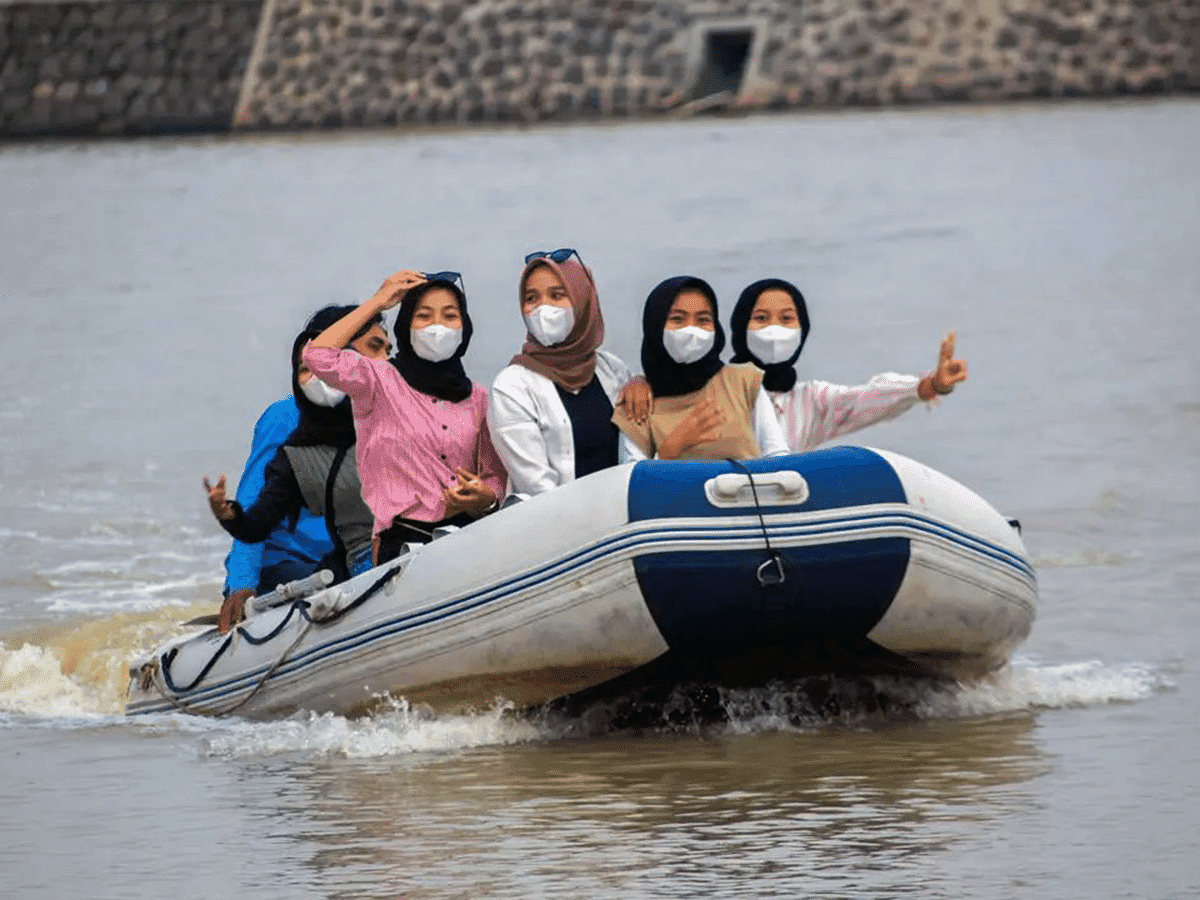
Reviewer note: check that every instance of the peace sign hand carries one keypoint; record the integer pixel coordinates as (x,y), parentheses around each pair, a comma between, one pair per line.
(950,371)
(220,506)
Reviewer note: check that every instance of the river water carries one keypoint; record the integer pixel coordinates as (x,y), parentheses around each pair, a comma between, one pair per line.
(150,292)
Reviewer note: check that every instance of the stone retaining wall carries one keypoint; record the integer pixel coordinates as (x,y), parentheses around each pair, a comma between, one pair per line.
(118,68)
(130,66)
(367,62)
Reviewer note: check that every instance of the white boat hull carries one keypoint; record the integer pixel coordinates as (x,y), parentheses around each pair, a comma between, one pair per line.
(649,568)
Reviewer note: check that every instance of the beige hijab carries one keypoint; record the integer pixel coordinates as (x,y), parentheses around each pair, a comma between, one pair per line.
(572,363)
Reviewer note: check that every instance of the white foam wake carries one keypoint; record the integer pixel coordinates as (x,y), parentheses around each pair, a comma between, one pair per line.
(61,684)
(398,730)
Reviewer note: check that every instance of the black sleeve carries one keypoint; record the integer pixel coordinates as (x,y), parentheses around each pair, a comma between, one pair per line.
(279,499)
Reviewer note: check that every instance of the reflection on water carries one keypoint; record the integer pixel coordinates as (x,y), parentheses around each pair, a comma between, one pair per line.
(669,815)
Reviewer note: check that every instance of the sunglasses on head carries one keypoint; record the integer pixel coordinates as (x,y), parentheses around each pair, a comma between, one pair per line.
(560,255)
(447,276)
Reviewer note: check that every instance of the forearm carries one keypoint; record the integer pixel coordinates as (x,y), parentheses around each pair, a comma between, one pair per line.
(279,499)
(341,332)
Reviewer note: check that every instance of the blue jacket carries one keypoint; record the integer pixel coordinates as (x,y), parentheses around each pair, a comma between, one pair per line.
(308,543)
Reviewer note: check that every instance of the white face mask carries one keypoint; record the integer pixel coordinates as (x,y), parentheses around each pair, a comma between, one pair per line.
(435,342)
(322,394)
(550,325)
(686,345)
(773,344)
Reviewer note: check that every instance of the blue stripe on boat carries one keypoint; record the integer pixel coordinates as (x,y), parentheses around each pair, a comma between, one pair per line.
(837,477)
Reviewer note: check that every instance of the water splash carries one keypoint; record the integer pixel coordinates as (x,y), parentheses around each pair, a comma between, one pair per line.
(60,676)
(32,681)
(396,729)
(81,670)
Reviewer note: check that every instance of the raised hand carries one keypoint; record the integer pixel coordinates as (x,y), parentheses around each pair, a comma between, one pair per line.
(217,502)
(395,286)
(950,371)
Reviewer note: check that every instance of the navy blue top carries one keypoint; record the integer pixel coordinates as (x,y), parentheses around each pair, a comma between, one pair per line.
(592,428)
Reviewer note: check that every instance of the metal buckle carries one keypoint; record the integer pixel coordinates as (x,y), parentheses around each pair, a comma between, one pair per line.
(770,573)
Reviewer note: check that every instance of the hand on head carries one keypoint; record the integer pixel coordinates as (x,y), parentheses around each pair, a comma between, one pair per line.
(393,289)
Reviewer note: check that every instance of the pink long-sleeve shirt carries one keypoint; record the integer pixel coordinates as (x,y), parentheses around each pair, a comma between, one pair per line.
(813,412)
(409,443)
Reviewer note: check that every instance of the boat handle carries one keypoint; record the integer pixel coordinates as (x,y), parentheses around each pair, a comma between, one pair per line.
(781,488)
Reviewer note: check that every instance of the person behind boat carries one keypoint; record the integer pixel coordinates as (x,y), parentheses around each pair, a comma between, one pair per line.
(424,452)
(314,469)
(703,409)
(768,328)
(550,411)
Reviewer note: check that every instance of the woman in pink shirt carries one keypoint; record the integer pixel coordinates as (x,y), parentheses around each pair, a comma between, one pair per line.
(769,326)
(424,453)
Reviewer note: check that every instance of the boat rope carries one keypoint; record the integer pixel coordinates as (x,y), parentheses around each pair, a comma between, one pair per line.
(770,573)
(161,679)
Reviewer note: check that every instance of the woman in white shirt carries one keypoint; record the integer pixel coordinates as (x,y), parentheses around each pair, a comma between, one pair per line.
(768,328)
(550,410)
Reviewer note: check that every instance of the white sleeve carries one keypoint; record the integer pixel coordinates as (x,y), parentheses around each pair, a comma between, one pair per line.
(767,430)
(629,451)
(517,437)
(613,374)
(823,411)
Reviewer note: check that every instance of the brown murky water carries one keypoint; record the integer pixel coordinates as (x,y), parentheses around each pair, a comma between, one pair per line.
(149,295)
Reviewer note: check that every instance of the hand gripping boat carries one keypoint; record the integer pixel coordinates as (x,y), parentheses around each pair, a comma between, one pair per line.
(840,559)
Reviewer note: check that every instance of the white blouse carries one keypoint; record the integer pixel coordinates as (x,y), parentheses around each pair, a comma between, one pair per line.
(530,427)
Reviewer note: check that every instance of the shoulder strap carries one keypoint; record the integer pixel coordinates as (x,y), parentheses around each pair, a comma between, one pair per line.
(339,549)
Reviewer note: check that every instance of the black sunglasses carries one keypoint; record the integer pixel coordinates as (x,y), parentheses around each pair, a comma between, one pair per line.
(447,276)
(560,255)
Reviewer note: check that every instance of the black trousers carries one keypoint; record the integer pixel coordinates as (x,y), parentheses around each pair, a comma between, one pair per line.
(411,531)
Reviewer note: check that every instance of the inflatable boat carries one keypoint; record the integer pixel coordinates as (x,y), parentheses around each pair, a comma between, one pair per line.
(845,559)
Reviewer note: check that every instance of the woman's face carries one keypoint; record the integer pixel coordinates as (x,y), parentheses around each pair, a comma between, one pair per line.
(691,309)
(373,345)
(774,306)
(437,306)
(543,287)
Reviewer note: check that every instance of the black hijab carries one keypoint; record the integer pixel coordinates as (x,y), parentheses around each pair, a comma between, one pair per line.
(776,376)
(322,425)
(446,380)
(668,378)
